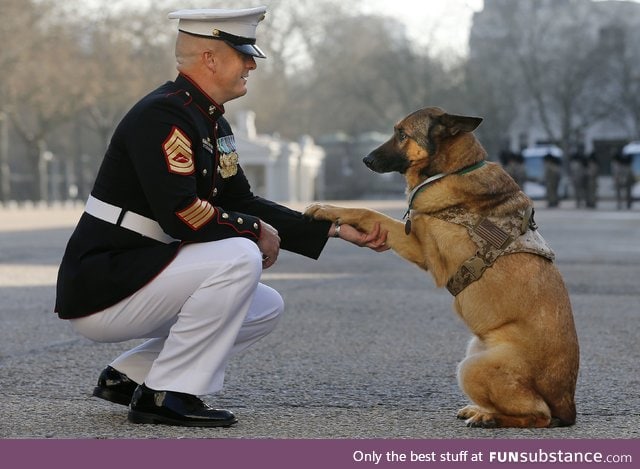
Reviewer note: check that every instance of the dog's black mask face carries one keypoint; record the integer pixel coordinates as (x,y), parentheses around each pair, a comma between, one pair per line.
(415,141)
(399,152)
(387,159)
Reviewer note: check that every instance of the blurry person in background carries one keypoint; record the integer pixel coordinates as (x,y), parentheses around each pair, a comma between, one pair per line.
(552,174)
(623,179)
(577,166)
(592,170)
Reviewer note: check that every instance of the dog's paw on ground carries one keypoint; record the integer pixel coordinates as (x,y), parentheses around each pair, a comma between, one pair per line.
(474,416)
(468,411)
(481,421)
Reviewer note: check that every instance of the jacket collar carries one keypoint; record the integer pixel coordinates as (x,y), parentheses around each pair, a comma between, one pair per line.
(208,106)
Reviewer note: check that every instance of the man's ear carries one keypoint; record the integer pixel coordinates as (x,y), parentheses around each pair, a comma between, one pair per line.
(209,60)
(455,124)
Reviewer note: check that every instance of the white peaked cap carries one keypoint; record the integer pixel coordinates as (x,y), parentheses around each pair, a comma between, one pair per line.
(236,27)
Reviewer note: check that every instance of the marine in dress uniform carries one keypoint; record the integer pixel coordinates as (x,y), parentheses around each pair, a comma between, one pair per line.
(168,246)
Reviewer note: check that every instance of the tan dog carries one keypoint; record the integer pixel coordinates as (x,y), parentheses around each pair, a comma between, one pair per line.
(472,228)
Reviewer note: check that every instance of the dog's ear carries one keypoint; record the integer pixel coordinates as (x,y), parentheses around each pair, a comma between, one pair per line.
(455,124)
(448,125)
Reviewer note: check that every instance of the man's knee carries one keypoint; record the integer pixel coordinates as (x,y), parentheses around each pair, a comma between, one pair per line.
(249,255)
(244,262)
(262,318)
(272,298)
(267,305)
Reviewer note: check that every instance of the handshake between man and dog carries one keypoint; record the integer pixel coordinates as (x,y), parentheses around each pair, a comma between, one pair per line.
(471,226)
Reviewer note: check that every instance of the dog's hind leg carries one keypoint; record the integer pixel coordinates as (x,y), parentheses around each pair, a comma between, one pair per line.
(497,383)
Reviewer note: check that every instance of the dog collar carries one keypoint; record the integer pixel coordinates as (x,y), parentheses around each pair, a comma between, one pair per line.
(430,180)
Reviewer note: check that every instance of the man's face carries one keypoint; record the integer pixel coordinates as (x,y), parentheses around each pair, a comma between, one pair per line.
(231,72)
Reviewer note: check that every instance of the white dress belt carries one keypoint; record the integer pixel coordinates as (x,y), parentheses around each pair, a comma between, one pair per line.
(131,221)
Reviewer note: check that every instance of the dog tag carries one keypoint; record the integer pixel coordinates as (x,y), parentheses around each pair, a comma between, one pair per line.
(407,227)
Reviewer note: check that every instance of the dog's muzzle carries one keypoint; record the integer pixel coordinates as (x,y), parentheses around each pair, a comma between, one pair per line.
(368,161)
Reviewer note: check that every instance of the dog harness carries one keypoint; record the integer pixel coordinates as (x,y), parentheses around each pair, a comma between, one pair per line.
(494,236)
(416,190)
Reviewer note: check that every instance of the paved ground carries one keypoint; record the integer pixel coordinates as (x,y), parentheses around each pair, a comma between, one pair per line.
(367,349)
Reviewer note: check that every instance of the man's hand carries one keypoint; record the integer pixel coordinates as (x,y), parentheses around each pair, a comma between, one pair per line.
(269,244)
(376,240)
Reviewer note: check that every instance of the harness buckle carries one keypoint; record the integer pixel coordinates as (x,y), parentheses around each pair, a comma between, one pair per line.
(527,220)
(475,266)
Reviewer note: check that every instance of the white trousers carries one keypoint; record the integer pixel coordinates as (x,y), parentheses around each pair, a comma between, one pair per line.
(203,308)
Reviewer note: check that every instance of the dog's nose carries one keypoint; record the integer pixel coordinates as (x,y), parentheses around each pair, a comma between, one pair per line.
(368,160)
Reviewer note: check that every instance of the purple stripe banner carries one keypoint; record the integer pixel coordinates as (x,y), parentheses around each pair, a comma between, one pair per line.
(317,454)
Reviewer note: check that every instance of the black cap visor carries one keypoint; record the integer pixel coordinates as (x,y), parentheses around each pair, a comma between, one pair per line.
(243,44)
(249,49)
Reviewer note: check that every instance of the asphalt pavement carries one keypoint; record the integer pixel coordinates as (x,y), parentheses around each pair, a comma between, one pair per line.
(367,348)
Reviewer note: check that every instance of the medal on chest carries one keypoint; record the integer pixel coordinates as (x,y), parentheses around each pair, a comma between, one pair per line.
(228,157)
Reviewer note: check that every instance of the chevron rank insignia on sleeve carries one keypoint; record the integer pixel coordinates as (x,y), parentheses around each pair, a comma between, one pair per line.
(178,152)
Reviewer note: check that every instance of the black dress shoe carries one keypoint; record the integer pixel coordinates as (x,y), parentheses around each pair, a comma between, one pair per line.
(175,408)
(115,386)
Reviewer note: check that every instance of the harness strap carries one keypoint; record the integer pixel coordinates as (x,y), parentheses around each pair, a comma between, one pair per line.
(472,269)
(492,242)
(491,239)
(427,182)
(436,177)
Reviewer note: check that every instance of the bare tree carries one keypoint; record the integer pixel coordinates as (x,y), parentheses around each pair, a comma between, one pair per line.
(492,84)
(620,65)
(547,58)
(126,53)
(279,89)
(629,80)
(359,73)
(17,34)
(39,92)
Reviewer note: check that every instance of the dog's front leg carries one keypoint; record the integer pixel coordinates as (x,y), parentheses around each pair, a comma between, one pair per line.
(363,219)
(360,218)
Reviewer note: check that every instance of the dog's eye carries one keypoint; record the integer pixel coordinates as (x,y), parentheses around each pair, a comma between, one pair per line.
(401,135)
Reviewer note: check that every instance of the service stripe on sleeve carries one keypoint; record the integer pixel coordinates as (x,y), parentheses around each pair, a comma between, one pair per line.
(198,214)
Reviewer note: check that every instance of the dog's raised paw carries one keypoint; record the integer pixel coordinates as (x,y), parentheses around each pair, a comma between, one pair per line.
(311,209)
(320,212)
